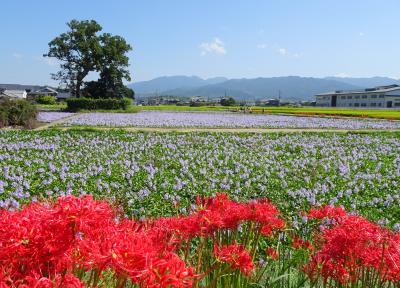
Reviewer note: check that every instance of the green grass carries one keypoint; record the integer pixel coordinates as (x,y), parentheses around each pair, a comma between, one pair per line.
(301,111)
(52,107)
(58,107)
(343,112)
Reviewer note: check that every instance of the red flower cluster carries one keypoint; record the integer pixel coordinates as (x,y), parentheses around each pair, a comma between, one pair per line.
(299,243)
(327,211)
(353,245)
(46,244)
(272,253)
(222,213)
(236,256)
(43,245)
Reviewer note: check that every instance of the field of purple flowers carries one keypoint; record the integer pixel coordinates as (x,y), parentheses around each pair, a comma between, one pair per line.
(151,173)
(213,120)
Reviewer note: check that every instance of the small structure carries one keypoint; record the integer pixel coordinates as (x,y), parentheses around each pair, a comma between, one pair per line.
(62,96)
(16,94)
(45,91)
(268,102)
(377,97)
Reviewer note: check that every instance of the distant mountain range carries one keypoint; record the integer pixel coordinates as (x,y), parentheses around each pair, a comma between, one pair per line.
(292,88)
(289,88)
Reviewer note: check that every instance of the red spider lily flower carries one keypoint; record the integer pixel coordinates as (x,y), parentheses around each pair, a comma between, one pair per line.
(327,211)
(298,243)
(266,214)
(168,271)
(352,245)
(222,213)
(272,253)
(236,256)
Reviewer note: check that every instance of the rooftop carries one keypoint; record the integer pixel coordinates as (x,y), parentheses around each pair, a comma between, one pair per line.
(378,89)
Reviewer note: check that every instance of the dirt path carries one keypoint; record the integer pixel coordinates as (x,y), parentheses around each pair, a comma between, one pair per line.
(54,123)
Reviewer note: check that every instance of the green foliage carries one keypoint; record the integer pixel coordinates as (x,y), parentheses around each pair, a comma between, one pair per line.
(75,104)
(98,89)
(46,100)
(82,50)
(17,113)
(227,101)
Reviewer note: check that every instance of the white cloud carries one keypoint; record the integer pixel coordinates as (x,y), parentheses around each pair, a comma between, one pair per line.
(216,46)
(17,56)
(361,34)
(342,75)
(262,45)
(282,51)
(286,53)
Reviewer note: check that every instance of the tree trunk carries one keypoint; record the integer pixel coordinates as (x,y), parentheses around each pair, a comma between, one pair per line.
(78,88)
(79,81)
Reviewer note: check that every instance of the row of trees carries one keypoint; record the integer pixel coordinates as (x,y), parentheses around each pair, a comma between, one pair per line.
(82,50)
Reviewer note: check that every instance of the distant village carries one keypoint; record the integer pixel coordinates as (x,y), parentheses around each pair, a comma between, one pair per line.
(32,92)
(377,97)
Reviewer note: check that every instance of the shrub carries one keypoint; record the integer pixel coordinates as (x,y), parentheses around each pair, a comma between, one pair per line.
(17,113)
(227,101)
(75,104)
(46,99)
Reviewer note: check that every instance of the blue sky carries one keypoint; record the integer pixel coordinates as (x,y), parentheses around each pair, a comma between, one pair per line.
(208,38)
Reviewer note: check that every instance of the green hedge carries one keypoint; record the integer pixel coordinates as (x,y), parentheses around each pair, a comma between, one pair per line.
(17,112)
(46,99)
(75,104)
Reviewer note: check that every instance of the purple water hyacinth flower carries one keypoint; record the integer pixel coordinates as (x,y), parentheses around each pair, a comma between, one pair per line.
(223,120)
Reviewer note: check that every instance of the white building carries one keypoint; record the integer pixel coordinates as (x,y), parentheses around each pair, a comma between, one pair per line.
(20,94)
(377,97)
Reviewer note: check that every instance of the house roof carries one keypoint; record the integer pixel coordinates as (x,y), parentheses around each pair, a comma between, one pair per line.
(14,93)
(378,89)
(63,95)
(45,89)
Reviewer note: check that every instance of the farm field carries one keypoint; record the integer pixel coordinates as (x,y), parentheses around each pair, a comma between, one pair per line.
(316,111)
(256,208)
(215,120)
(296,171)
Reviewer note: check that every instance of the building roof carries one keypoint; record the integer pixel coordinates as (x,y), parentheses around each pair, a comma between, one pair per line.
(63,95)
(378,89)
(14,93)
(45,90)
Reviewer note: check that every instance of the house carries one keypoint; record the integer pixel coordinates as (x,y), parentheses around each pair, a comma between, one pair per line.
(16,94)
(47,91)
(377,97)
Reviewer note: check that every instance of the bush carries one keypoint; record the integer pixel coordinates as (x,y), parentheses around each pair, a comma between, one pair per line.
(227,101)
(46,99)
(17,113)
(75,104)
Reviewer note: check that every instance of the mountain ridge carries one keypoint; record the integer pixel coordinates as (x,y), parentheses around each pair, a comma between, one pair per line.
(294,88)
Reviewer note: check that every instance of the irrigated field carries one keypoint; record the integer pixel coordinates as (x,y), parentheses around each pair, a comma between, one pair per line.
(213,120)
(149,173)
(166,221)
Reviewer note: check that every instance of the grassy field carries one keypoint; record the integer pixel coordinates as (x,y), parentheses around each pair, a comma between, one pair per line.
(343,112)
(301,111)
(157,177)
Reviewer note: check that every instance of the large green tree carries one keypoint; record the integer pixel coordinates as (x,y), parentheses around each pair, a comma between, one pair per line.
(82,49)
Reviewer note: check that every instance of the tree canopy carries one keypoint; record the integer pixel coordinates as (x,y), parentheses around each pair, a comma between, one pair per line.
(82,49)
